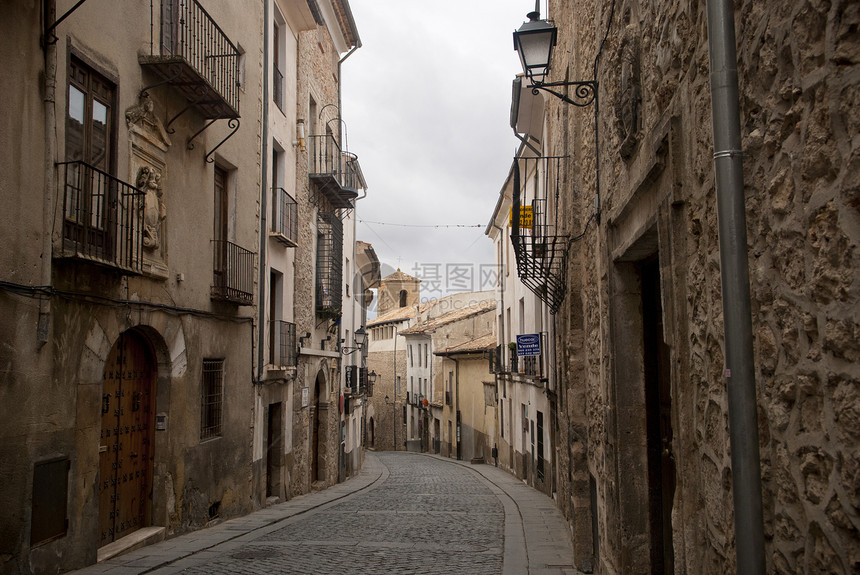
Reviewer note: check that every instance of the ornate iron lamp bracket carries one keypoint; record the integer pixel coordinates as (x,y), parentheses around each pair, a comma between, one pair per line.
(584,93)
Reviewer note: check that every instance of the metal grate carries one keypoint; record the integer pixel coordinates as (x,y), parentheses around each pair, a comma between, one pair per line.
(541,252)
(211,400)
(329,265)
(282,342)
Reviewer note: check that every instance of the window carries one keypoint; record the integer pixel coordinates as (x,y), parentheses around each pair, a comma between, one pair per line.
(419,355)
(211,398)
(403,298)
(502,417)
(278,56)
(426,362)
(411,359)
(90,138)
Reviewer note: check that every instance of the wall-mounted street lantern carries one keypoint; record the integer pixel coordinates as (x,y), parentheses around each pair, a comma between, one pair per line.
(360,339)
(534,42)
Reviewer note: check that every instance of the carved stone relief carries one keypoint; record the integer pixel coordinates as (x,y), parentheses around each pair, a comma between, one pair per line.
(629,96)
(148,145)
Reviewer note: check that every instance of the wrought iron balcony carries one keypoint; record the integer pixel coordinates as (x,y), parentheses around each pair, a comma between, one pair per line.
(335,172)
(102,218)
(196,57)
(284,218)
(540,251)
(233,273)
(282,343)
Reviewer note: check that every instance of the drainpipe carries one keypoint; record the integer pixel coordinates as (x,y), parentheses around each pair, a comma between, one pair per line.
(740,374)
(340,92)
(394,380)
(457,402)
(502,296)
(44,324)
(264,196)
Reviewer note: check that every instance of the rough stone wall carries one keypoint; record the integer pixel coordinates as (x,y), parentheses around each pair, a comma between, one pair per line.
(798,68)
(383,363)
(317,78)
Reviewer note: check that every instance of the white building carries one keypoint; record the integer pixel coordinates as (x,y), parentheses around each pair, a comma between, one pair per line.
(526,384)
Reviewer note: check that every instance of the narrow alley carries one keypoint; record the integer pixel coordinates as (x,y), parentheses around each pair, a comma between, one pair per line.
(405,513)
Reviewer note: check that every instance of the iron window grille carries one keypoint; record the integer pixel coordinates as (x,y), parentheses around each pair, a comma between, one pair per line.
(282,343)
(541,252)
(329,296)
(212,396)
(102,218)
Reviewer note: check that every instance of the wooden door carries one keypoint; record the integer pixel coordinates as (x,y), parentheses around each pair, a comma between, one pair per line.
(126,446)
(658,413)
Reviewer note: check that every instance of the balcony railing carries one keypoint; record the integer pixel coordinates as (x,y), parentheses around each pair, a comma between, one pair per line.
(282,343)
(496,360)
(197,58)
(285,218)
(102,218)
(233,277)
(335,172)
(278,88)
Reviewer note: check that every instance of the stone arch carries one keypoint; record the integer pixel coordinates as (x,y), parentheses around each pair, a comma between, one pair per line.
(318,425)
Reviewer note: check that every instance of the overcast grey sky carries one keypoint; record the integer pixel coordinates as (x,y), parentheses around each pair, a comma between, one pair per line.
(426,102)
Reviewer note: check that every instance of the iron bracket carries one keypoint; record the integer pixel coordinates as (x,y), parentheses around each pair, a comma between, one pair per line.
(232,123)
(584,92)
(175,70)
(56,23)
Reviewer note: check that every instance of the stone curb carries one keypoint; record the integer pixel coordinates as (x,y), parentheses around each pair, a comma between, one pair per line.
(160,555)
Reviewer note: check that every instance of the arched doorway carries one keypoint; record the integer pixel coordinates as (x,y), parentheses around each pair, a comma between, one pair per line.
(317,425)
(126,443)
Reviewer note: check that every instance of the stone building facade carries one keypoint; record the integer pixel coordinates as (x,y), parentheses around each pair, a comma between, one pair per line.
(128,286)
(151,257)
(644,467)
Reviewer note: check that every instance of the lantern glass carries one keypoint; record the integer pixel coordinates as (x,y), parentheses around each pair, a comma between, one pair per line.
(534,42)
(360,337)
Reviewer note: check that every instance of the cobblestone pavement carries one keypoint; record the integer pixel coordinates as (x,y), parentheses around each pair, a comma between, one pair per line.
(428,516)
(404,513)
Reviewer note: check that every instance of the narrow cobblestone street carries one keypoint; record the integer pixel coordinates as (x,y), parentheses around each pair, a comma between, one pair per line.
(405,513)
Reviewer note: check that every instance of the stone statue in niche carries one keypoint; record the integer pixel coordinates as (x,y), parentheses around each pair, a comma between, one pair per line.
(154,211)
(629,95)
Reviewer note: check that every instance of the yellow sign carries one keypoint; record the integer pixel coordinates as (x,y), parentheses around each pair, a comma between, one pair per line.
(526,217)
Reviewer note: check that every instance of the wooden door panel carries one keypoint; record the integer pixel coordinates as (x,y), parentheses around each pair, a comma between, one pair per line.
(127,460)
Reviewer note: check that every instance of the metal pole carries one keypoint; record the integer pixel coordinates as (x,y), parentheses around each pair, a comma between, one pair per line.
(264,197)
(740,374)
(394,383)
